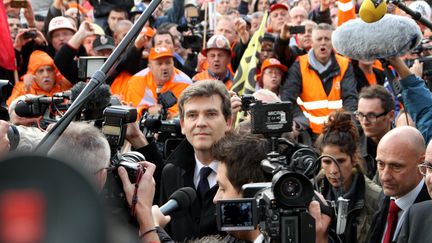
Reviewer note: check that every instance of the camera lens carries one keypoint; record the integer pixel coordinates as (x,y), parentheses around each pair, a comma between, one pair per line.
(291,188)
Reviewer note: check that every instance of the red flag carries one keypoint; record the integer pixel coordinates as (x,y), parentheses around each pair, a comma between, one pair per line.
(7,53)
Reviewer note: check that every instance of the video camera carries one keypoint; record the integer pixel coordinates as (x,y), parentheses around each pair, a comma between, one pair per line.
(194,40)
(167,132)
(279,207)
(49,108)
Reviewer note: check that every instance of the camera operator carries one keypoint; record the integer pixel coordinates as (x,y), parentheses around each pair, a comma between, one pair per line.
(45,79)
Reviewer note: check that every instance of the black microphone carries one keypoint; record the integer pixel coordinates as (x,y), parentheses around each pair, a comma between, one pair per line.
(96,103)
(182,198)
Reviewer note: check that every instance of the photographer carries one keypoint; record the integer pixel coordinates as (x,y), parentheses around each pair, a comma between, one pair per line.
(87,149)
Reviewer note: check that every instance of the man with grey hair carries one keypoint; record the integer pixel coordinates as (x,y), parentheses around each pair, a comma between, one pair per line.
(86,148)
(320,82)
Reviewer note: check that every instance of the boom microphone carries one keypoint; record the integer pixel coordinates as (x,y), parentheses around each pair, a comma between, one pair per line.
(182,198)
(372,10)
(391,36)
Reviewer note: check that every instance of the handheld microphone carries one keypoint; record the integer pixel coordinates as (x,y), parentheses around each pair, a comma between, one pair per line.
(182,198)
(372,10)
(342,215)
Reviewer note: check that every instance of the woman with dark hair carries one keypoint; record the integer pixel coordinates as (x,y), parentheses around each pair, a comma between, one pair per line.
(342,175)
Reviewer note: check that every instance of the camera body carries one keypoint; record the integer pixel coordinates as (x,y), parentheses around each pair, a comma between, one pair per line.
(31,34)
(166,132)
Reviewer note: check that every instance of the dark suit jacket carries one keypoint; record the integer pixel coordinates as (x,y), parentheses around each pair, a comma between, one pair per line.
(379,221)
(198,220)
(416,227)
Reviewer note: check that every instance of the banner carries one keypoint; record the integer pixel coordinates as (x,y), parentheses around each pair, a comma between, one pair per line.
(244,78)
(7,53)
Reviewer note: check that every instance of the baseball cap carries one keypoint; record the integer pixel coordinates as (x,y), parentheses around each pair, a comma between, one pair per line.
(60,22)
(97,29)
(271,62)
(103,42)
(275,6)
(422,7)
(159,52)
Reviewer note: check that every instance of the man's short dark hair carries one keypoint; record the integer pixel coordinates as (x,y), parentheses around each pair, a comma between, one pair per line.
(242,155)
(161,32)
(120,10)
(378,92)
(206,88)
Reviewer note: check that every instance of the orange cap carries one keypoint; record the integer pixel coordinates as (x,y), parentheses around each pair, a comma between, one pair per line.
(271,62)
(147,31)
(159,52)
(275,6)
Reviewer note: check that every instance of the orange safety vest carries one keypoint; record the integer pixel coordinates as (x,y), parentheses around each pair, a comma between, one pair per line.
(313,100)
(205,75)
(120,84)
(142,89)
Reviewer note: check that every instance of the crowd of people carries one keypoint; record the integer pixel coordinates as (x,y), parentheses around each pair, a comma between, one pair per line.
(374,143)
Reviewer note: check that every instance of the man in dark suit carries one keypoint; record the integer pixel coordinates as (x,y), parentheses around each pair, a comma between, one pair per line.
(416,227)
(205,117)
(399,153)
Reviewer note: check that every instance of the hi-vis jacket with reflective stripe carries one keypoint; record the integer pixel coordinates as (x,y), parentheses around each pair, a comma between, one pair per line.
(314,102)
(142,89)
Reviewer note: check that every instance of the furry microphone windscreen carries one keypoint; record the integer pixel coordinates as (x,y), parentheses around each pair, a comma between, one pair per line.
(391,36)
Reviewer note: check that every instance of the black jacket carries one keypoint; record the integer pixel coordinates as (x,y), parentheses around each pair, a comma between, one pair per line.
(380,218)
(198,220)
(361,78)
(416,227)
(293,85)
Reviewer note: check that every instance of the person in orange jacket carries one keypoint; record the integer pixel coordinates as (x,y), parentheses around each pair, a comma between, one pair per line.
(160,76)
(42,78)
(218,53)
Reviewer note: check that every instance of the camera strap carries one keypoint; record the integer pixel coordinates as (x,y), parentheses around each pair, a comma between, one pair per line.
(140,173)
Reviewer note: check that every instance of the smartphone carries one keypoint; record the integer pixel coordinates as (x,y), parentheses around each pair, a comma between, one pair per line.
(299,29)
(18,4)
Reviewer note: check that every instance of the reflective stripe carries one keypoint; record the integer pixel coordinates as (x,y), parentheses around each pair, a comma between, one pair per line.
(335,104)
(315,119)
(143,72)
(320,104)
(344,7)
(148,98)
(182,78)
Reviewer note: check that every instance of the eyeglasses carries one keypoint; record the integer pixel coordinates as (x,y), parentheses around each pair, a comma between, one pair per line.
(370,117)
(425,168)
